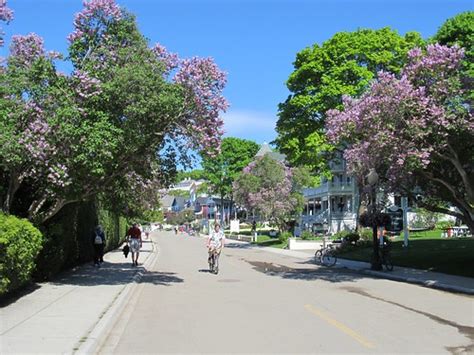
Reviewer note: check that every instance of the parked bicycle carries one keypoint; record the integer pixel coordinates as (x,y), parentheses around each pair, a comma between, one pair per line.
(326,255)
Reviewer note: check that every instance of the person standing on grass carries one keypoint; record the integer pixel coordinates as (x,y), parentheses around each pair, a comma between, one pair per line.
(98,242)
(134,236)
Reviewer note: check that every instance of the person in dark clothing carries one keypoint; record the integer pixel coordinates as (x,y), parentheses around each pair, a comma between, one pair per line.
(98,242)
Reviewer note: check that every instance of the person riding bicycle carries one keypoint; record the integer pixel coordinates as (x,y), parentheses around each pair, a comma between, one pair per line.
(215,243)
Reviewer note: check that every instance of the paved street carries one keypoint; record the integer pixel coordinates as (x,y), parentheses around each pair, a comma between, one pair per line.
(268,303)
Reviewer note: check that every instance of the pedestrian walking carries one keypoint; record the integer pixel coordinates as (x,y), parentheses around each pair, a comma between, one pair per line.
(134,237)
(98,242)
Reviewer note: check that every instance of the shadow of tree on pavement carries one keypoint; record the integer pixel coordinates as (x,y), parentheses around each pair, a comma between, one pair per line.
(308,273)
(160,278)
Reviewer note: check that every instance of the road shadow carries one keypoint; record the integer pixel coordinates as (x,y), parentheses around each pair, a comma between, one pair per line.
(204,270)
(113,274)
(239,246)
(329,274)
(13,296)
(160,278)
(107,274)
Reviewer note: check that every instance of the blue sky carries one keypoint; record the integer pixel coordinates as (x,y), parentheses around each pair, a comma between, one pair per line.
(255,42)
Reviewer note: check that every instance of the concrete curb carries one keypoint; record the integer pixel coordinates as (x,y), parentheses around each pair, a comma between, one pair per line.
(426,283)
(96,336)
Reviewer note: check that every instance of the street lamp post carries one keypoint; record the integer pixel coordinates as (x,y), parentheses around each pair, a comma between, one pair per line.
(373,179)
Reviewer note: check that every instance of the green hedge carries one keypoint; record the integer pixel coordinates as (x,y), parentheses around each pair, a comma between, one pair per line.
(68,237)
(20,243)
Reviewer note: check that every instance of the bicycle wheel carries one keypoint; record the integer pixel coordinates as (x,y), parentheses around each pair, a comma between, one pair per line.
(216,264)
(211,263)
(388,264)
(318,255)
(329,258)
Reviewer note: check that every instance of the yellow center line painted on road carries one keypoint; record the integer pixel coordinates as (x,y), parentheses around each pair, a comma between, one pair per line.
(342,327)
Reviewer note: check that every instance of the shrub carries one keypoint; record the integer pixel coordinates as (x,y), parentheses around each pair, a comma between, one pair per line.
(351,238)
(444,224)
(284,236)
(305,235)
(20,243)
(365,234)
(340,235)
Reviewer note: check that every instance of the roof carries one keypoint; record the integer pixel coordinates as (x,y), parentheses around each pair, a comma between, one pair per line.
(179,201)
(265,149)
(204,201)
(167,201)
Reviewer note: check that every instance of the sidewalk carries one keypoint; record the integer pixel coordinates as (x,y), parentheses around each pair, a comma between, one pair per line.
(426,278)
(65,315)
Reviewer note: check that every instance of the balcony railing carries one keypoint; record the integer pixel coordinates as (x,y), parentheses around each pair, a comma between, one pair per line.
(329,187)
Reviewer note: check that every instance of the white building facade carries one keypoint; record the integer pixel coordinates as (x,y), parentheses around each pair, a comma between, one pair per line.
(332,206)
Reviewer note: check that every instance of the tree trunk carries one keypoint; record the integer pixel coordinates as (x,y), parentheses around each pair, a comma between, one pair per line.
(13,186)
(222,210)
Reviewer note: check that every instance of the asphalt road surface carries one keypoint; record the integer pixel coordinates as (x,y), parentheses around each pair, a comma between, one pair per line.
(263,302)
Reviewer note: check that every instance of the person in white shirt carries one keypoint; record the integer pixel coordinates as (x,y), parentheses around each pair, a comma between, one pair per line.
(215,244)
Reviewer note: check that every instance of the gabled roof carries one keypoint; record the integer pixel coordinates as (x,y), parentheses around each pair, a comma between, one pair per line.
(265,149)
(167,201)
(179,201)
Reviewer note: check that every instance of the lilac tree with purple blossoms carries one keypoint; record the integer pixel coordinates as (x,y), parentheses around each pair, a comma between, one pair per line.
(267,187)
(6,15)
(116,127)
(416,131)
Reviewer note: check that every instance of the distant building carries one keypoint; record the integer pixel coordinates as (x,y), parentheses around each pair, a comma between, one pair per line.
(331,206)
(166,203)
(170,203)
(189,186)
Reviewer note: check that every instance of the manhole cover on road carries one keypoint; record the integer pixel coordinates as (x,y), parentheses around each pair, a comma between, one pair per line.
(228,280)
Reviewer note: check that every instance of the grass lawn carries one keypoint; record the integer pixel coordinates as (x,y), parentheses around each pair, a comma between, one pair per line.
(428,234)
(266,241)
(451,256)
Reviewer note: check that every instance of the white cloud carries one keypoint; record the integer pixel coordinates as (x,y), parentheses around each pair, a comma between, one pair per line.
(254,125)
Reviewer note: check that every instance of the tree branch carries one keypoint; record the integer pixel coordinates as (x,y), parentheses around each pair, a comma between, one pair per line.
(454,159)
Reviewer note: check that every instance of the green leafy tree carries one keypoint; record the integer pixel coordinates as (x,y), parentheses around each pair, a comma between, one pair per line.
(222,170)
(155,215)
(185,216)
(460,30)
(343,65)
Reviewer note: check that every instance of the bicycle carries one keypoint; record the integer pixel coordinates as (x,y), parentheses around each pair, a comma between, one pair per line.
(385,256)
(214,261)
(326,255)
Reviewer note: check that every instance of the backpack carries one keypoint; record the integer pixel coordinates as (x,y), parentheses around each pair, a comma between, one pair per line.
(97,239)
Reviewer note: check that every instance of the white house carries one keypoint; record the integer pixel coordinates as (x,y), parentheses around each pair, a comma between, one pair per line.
(331,206)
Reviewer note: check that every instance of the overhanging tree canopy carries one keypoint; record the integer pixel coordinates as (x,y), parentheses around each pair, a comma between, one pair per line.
(415,130)
(117,126)
(343,65)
